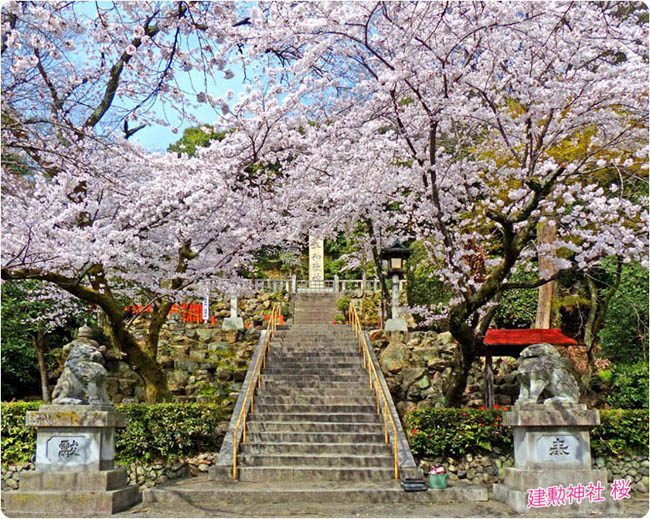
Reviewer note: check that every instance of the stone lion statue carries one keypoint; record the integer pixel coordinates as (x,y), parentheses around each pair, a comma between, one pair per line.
(544,373)
(83,380)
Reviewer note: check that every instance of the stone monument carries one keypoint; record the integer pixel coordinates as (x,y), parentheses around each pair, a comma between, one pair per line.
(316,263)
(551,441)
(234,322)
(75,445)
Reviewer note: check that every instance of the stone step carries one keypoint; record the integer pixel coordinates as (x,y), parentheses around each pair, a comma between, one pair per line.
(313,427)
(283,363)
(263,408)
(293,352)
(313,438)
(332,449)
(306,371)
(199,497)
(314,460)
(315,473)
(316,399)
(313,417)
(322,377)
(314,358)
(324,387)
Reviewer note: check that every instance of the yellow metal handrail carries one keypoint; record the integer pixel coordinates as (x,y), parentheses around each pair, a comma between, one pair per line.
(355,322)
(271,327)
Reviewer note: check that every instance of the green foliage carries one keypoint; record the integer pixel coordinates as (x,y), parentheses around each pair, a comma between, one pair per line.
(343,304)
(624,337)
(518,307)
(423,287)
(453,432)
(195,137)
(20,324)
(17,440)
(620,432)
(629,386)
(153,431)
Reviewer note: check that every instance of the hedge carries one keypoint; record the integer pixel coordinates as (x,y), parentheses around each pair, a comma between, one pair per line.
(168,431)
(153,431)
(454,432)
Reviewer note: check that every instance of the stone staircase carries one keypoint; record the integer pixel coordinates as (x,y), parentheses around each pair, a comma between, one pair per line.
(313,438)
(314,308)
(316,416)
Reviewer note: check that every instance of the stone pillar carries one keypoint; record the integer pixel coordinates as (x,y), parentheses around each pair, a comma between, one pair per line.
(294,284)
(336,282)
(552,450)
(395,324)
(233,322)
(364,281)
(316,262)
(75,473)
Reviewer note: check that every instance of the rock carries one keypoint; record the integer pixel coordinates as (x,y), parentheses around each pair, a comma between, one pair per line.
(203,467)
(445,338)
(462,474)
(394,357)
(231,336)
(12,484)
(452,468)
(205,334)
(437,364)
(376,335)
(410,375)
(218,346)
(423,383)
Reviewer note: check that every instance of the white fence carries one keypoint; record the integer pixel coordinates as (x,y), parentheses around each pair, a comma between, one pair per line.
(325,285)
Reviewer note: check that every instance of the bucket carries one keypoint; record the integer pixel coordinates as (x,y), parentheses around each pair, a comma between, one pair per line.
(438,480)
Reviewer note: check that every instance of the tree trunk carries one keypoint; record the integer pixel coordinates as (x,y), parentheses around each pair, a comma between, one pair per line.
(38,341)
(464,356)
(143,363)
(386,310)
(596,319)
(546,234)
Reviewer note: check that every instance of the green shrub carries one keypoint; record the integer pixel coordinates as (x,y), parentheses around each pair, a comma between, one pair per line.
(624,337)
(621,431)
(453,432)
(518,307)
(629,386)
(18,441)
(342,304)
(153,431)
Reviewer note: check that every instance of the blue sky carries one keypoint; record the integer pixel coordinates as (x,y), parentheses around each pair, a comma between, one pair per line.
(158,138)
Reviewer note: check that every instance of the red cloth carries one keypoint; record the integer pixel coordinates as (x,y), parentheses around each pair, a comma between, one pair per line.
(532,336)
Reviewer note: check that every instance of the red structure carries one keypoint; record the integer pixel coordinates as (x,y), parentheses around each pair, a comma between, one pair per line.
(500,342)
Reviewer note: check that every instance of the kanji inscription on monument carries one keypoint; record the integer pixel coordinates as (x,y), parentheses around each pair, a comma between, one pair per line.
(558,448)
(316,261)
(69,449)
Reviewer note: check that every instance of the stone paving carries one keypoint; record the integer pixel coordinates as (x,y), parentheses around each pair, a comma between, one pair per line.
(637,506)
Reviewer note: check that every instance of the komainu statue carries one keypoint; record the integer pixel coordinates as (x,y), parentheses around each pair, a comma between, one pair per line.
(544,373)
(83,380)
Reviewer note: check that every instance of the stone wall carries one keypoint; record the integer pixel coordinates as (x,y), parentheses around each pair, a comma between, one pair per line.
(479,470)
(202,362)
(417,367)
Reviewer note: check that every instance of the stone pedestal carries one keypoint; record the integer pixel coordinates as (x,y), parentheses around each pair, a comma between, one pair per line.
(233,322)
(75,473)
(552,460)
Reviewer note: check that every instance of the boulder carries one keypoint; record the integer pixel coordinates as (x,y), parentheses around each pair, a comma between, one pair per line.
(445,338)
(394,357)
(205,334)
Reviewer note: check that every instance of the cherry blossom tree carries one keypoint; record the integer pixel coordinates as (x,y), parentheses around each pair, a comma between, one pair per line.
(97,216)
(479,121)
